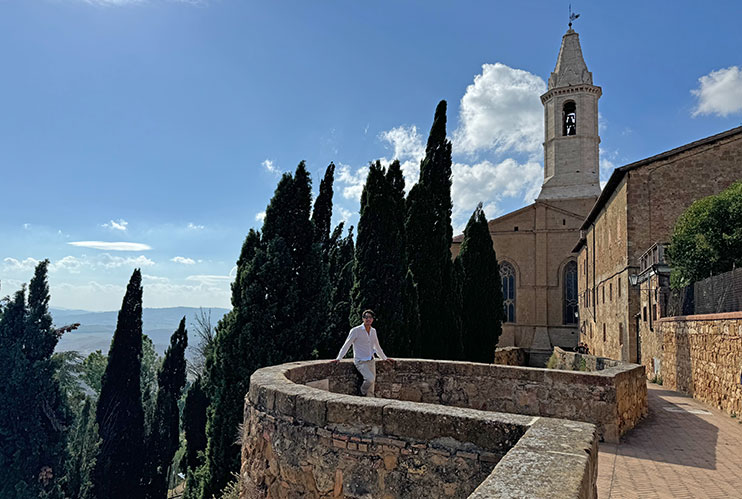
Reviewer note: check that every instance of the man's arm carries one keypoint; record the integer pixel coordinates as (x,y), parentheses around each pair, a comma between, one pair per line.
(377,347)
(346,346)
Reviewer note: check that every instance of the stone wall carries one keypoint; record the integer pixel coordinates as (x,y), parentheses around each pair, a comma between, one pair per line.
(573,361)
(702,357)
(511,356)
(300,441)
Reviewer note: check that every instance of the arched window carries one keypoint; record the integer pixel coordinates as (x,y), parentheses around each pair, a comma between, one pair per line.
(569,293)
(569,118)
(507,274)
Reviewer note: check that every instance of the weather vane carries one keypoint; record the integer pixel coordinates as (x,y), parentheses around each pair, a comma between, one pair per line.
(572,16)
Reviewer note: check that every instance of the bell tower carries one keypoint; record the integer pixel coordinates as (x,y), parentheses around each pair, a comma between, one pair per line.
(571,140)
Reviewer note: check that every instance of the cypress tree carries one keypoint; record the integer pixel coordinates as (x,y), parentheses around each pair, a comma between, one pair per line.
(322,212)
(429,235)
(34,413)
(120,418)
(279,313)
(83,450)
(340,271)
(164,438)
(194,423)
(481,290)
(379,269)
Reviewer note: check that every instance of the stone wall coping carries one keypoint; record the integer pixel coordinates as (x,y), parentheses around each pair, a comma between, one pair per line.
(702,317)
(544,462)
(271,390)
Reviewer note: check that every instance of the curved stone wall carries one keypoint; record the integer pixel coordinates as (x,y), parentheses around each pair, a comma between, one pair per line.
(307,435)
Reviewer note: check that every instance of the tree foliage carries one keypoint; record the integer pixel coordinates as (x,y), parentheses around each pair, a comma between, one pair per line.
(380,265)
(119,414)
(429,236)
(481,290)
(34,413)
(707,238)
(279,301)
(164,436)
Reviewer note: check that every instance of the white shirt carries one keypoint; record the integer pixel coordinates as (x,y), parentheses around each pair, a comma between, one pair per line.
(364,344)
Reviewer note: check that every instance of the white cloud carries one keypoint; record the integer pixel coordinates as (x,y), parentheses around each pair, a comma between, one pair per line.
(154,279)
(111,246)
(192,226)
(15,265)
(607,163)
(70,264)
(353,180)
(409,149)
(259,217)
(210,280)
(271,167)
(27,226)
(114,225)
(719,92)
(183,260)
(489,183)
(111,262)
(345,215)
(501,111)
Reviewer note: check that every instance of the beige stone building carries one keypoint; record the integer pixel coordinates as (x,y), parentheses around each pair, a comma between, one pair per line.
(622,270)
(534,244)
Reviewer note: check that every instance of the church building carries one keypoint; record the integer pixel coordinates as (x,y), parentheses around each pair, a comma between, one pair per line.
(534,244)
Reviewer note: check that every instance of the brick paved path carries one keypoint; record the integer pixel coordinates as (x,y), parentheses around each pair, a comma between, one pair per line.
(683,449)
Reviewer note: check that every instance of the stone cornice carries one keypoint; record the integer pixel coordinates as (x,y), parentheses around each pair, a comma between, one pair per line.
(572,89)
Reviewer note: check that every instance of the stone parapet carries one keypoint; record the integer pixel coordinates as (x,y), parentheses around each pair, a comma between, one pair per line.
(702,356)
(301,440)
(511,356)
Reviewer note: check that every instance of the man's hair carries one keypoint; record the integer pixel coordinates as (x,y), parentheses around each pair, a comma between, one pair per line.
(370,312)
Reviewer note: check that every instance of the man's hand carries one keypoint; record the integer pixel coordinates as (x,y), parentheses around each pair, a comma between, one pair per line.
(390,360)
(334,361)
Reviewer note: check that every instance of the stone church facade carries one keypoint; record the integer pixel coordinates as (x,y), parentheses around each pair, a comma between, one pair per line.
(534,244)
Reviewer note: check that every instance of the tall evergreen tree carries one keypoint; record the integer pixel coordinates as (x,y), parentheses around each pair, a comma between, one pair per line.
(379,269)
(279,313)
(83,450)
(33,413)
(481,290)
(194,423)
(120,418)
(429,236)
(322,212)
(340,271)
(164,437)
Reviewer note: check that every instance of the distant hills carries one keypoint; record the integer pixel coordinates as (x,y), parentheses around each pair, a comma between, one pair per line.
(96,328)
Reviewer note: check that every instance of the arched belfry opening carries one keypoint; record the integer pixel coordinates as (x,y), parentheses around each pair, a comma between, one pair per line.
(569,118)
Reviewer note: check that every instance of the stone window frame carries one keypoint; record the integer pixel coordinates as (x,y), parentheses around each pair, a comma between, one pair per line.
(509,293)
(570,307)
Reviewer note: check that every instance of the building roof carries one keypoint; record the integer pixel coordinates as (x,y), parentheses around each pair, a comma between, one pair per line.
(619,173)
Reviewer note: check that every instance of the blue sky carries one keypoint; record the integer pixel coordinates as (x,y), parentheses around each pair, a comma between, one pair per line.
(160,127)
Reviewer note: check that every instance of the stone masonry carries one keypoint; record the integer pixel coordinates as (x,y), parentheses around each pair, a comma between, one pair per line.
(306,434)
(702,357)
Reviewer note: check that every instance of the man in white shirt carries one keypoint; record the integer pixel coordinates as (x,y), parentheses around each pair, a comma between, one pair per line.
(365,344)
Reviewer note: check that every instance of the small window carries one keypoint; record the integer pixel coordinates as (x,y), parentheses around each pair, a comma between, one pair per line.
(644,314)
(610,291)
(602,289)
(604,331)
(654,311)
(515,229)
(569,294)
(564,221)
(619,287)
(569,117)
(620,333)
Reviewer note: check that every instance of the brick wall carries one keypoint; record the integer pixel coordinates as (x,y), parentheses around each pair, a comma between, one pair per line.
(702,357)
